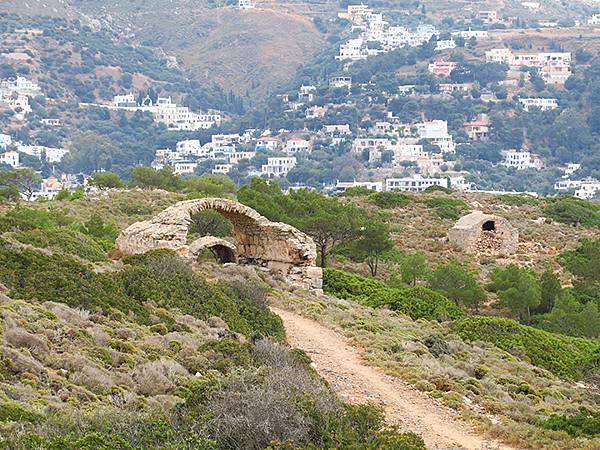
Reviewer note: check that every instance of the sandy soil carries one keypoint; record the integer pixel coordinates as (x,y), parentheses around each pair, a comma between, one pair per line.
(341,365)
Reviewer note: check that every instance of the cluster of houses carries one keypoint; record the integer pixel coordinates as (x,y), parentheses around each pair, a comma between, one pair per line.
(554,67)
(165,111)
(15,94)
(226,151)
(377,36)
(10,152)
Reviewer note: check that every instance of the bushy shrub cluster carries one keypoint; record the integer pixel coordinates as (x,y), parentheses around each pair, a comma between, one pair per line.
(446,207)
(574,211)
(64,239)
(388,200)
(564,356)
(585,423)
(272,400)
(417,302)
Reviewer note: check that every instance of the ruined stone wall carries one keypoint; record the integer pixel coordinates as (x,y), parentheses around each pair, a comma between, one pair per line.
(277,246)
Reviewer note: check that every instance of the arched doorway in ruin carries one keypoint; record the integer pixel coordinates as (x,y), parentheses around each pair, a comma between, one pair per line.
(222,250)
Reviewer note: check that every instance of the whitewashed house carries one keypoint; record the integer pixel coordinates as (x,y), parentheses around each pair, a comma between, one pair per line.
(278,167)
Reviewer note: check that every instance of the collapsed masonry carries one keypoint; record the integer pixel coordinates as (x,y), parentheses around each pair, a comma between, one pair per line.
(277,246)
(479,233)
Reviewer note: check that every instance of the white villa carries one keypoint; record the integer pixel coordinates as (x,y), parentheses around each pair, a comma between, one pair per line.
(437,132)
(10,158)
(415,183)
(521,159)
(52,155)
(545,104)
(179,118)
(585,189)
(278,167)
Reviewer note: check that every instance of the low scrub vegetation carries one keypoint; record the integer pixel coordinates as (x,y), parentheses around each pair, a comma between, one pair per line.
(417,302)
(564,356)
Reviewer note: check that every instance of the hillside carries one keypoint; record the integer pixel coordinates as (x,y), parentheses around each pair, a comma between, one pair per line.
(129,339)
(244,51)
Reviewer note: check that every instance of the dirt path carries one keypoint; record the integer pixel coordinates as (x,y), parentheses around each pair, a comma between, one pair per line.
(341,365)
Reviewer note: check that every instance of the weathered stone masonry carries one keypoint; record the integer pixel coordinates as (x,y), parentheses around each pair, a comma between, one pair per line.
(485,234)
(258,241)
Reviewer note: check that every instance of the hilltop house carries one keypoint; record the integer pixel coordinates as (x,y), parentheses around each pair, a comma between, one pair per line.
(442,68)
(436,131)
(278,167)
(10,158)
(478,129)
(415,183)
(545,104)
(521,159)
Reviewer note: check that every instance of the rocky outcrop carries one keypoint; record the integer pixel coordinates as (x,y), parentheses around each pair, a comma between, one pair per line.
(258,241)
(479,233)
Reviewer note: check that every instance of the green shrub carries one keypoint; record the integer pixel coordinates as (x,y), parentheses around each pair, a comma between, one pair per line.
(165,278)
(438,188)
(22,218)
(585,423)
(574,211)
(37,276)
(564,356)
(417,302)
(13,412)
(357,191)
(349,286)
(447,207)
(65,239)
(388,200)
(517,200)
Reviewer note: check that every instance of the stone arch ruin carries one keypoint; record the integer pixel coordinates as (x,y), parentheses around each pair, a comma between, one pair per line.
(485,234)
(276,246)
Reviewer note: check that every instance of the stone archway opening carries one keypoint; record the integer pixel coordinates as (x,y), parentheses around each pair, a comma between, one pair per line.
(489,225)
(223,254)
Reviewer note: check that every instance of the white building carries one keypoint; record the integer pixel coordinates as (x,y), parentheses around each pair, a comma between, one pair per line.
(295,145)
(468,34)
(52,155)
(307,93)
(521,159)
(278,167)
(190,147)
(354,50)
(10,158)
(124,101)
(245,4)
(236,157)
(499,55)
(268,143)
(545,104)
(179,118)
(436,131)
(447,44)
(184,167)
(5,140)
(587,188)
(375,186)
(222,169)
(594,20)
(340,82)
(415,183)
(20,85)
(337,129)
